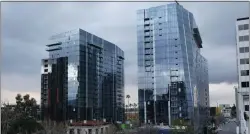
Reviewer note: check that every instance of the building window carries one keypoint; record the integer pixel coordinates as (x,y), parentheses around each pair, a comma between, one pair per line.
(244,49)
(45,70)
(244,72)
(244,84)
(246,26)
(101,130)
(244,38)
(246,107)
(173,99)
(244,61)
(243,27)
(174,104)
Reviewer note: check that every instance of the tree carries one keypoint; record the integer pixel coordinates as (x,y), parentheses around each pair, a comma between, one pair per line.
(246,116)
(130,105)
(24,125)
(179,124)
(233,111)
(50,127)
(213,120)
(128,97)
(7,116)
(126,112)
(21,118)
(135,105)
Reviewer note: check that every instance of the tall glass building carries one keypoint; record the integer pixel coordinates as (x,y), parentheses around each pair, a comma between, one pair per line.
(83,78)
(169,59)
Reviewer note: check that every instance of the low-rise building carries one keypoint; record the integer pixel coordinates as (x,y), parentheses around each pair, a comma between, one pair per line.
(225,110)
(224,105)
(132,114)
(90,127)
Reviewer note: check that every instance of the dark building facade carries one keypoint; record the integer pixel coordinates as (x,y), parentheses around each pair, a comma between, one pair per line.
(54,89)
(178,101)
(213,111)
(177,108)
(85,78)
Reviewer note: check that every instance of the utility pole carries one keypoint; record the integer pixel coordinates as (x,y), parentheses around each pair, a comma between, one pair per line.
(237,108)
(169,108)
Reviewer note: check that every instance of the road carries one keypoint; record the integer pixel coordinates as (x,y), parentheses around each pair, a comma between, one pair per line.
(228,128)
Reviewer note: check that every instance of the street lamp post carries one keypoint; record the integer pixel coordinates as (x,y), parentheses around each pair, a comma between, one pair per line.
(169,109)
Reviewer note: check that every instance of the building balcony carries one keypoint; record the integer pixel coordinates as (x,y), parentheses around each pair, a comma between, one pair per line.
(146,29)
(53,49)
(197,37)
(174,106)
(120,57)
(54,44)
(174,93)
(147,41)
(175,112)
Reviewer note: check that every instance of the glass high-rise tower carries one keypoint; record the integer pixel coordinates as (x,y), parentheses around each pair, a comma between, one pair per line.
(169,59)
(83,78)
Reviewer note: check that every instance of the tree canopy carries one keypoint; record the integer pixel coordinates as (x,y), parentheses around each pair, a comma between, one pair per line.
(233,111)
(20,118)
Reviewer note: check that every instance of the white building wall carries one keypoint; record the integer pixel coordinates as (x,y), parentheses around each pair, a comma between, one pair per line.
(242,55)
(43,67)
(243,95)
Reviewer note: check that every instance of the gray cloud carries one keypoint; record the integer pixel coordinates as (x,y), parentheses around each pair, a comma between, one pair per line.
(221,63)
(216,20)
(26,26)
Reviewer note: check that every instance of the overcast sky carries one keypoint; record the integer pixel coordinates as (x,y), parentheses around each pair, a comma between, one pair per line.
(26,27)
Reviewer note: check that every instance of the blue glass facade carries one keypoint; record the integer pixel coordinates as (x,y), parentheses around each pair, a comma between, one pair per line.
(169,46)
(95,75)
